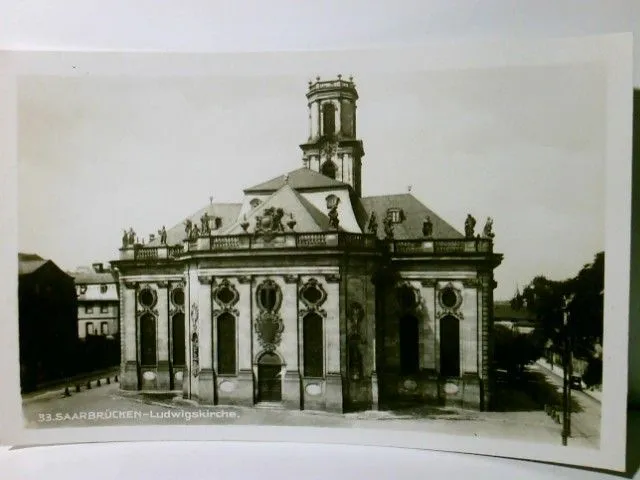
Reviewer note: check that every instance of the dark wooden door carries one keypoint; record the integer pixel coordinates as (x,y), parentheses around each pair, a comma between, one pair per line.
(269,383)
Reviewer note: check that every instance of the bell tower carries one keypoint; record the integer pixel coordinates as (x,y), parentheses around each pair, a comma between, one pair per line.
(332,148)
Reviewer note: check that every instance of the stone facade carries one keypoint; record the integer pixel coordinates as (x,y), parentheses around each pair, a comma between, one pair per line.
(296,300)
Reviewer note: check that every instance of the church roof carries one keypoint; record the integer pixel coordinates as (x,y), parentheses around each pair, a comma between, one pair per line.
(415,213)
(89,277)
(227,212)
(308,217)
(300,179)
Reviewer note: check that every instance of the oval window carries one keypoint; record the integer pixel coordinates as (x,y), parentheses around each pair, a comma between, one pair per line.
(178,296)
(146,297)
(448,297)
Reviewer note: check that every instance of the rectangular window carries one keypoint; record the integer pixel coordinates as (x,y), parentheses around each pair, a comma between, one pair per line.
(226,344)
(88,329)
(148,340)
(88,308)
(104,328)
(104,308)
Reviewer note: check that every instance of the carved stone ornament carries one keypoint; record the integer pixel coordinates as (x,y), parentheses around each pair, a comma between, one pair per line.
(269,327)
(329,149)
(291,279)
(195,344)
(147,298)
(205,279)
(269,223)
(129,285)
(245,279)
(226,296)
(428,282)
(312,295)
(162,283)
(449,301)
(268,324)
(177,299)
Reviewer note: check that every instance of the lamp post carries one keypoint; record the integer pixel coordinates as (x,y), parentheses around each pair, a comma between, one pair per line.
(567,368)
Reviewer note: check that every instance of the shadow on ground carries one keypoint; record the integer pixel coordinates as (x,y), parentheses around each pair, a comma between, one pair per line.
(531,392)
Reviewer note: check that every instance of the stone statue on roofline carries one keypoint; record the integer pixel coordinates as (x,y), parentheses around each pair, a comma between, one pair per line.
(469,226)
(188,225)
(163,235)
(195,232)
(372,226)
(205,223)
(132,236)
(488,228)
(125,239)
(387,224)
(334,221)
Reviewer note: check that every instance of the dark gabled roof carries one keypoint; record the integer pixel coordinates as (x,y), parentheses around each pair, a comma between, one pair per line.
(301,179)
(415,213)
(29,263)
(227,212)
(504,311)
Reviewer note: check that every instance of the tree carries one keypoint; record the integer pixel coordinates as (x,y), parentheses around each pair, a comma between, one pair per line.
(513,351)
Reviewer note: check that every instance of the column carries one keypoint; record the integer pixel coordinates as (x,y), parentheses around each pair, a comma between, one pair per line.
(319,117)
(162,337)
(206,387)
(338,114)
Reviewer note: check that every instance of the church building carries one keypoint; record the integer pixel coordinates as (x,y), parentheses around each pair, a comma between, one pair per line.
(308,295)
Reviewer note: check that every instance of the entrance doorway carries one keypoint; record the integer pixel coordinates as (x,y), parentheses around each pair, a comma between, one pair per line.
(269,381)
(449,347)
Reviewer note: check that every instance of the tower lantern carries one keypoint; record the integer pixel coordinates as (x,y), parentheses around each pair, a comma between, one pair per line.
(332,147)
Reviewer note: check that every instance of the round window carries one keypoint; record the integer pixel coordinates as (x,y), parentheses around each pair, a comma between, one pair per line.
(448,297)
(147,297)
(312,294)
(178,296)
(225,295)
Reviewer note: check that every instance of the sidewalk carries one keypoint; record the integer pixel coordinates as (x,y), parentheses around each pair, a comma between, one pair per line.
(595,394)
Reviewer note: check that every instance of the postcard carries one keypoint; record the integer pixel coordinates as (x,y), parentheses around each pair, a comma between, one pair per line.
(423,247)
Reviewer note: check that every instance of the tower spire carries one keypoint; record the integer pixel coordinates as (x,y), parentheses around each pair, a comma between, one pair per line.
(332,147)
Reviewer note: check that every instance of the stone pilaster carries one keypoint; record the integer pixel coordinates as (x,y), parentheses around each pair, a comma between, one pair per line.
(206,380)
(130,376)
(162,337)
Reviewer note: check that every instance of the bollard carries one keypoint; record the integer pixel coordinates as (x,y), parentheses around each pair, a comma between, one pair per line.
(89,385)
(108,381)
(67,393)
(77,388)
(98,383)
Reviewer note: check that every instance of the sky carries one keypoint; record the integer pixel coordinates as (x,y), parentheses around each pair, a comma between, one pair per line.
(524,145)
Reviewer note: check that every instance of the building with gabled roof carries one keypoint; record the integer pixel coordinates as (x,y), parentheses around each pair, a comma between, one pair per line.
(309,295)
(47,321)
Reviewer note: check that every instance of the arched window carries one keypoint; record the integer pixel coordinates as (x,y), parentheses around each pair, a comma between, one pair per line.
(409,345)
(313,345)
(329,169)
(255,202)
(178,340)
(147,339)
(329,119)
(449,346)
(226,344)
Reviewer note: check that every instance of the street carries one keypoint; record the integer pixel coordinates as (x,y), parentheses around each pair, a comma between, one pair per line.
(108,406)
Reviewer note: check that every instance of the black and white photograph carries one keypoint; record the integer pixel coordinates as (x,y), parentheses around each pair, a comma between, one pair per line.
(386,245)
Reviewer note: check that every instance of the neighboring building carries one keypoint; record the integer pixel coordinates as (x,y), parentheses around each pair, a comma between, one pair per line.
(98,302)
(47,322)
(519,320)
(308,295)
